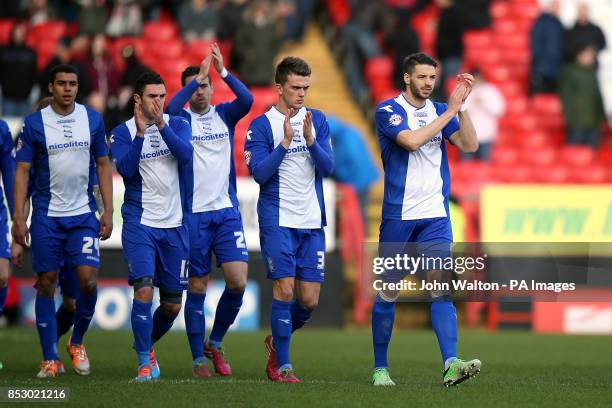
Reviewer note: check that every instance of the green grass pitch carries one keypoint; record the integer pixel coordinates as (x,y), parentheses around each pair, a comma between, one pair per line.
(520,369)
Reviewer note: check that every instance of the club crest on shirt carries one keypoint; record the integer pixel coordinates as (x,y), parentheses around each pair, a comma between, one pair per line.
(154,139)
(395,119)
(67,131)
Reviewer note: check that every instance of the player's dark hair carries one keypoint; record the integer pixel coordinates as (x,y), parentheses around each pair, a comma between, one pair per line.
(288,66)
(418,58)
(62,68)
(147,78)
(191,71)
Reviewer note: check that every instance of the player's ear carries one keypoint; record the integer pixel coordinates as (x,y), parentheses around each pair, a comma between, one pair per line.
(406,78)
(279,88)
(50,87)
(137,98)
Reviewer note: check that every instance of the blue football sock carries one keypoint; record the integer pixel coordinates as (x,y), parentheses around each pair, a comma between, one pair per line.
(227,310)
(3,293)
(280,321)
(383,315)
(195,323)
(299,315)
(162,322)
(65,320)
(142,326)
(444,323)
(47,326)
(85,308)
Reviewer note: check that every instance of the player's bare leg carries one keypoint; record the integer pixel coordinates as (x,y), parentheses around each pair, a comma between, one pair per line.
(235,275)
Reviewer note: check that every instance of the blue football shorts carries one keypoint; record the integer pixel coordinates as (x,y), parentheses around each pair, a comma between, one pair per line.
(293,252)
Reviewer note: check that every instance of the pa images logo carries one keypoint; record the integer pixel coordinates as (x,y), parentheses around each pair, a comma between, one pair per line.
(395,119)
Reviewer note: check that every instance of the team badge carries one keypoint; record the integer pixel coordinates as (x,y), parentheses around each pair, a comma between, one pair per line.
(395,119)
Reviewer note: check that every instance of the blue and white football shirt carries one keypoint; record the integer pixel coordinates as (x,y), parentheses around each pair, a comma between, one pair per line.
(213,174)
(153,169)
(7,167)
(62,150)
(291,187)
(417,184)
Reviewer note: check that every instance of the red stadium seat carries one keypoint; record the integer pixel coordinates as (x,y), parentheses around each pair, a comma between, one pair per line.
(547,104)
(45,51)
(198,49)
(504,155)
(500,10)
(339,11)
(472,171)
(505,26)
(514,41)
(543,156)
(379,67)
(47,31)
(482,57)
(160,31)
(605,155)
(553,174)
(171,70)
(516,106)
(425,24)
(263,98)
(533,140)
(5,31)
(518,173)
(577,155)
(526,10)
(595,173)
(480,39)
(518,58)
(511,89)
(165,49)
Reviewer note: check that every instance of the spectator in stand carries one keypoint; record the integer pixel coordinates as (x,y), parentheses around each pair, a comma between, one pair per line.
(449,40)
(18,73)
(367,18)
(231,15)
(40,11)
(353,163)
(125,19)
(133,70)
(547,50)
(474,14)
(12,9)
(584,34)
(258,40)
(92,16)
(104,79)
(198,20)
(297,18)
(486,105)
(405,40)
(583,107)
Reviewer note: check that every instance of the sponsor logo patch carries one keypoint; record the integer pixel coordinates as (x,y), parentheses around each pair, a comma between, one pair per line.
(395,119)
